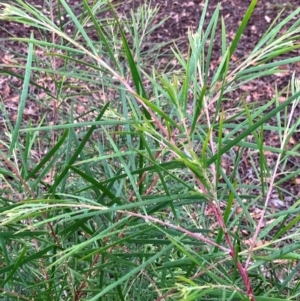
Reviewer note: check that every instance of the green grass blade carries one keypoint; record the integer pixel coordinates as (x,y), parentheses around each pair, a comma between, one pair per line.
(15,267)
(242,27)
(23,98)
(48,156)
(132,273)
(252,128)
(77,152)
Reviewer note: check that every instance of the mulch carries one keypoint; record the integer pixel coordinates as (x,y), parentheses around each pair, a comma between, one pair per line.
(182,16)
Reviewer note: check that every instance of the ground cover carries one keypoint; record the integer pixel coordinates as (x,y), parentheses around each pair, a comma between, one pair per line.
(181,182)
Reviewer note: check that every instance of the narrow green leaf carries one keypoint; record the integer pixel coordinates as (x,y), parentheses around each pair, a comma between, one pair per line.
(77,152)
(91,180)
(199,105)
(242,27)
(15,267)
(48,155)
(23,97)
(101,34)
(252,128)
(131,273)
(28,259)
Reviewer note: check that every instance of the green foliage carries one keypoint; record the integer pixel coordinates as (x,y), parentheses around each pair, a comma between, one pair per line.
(134,204)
